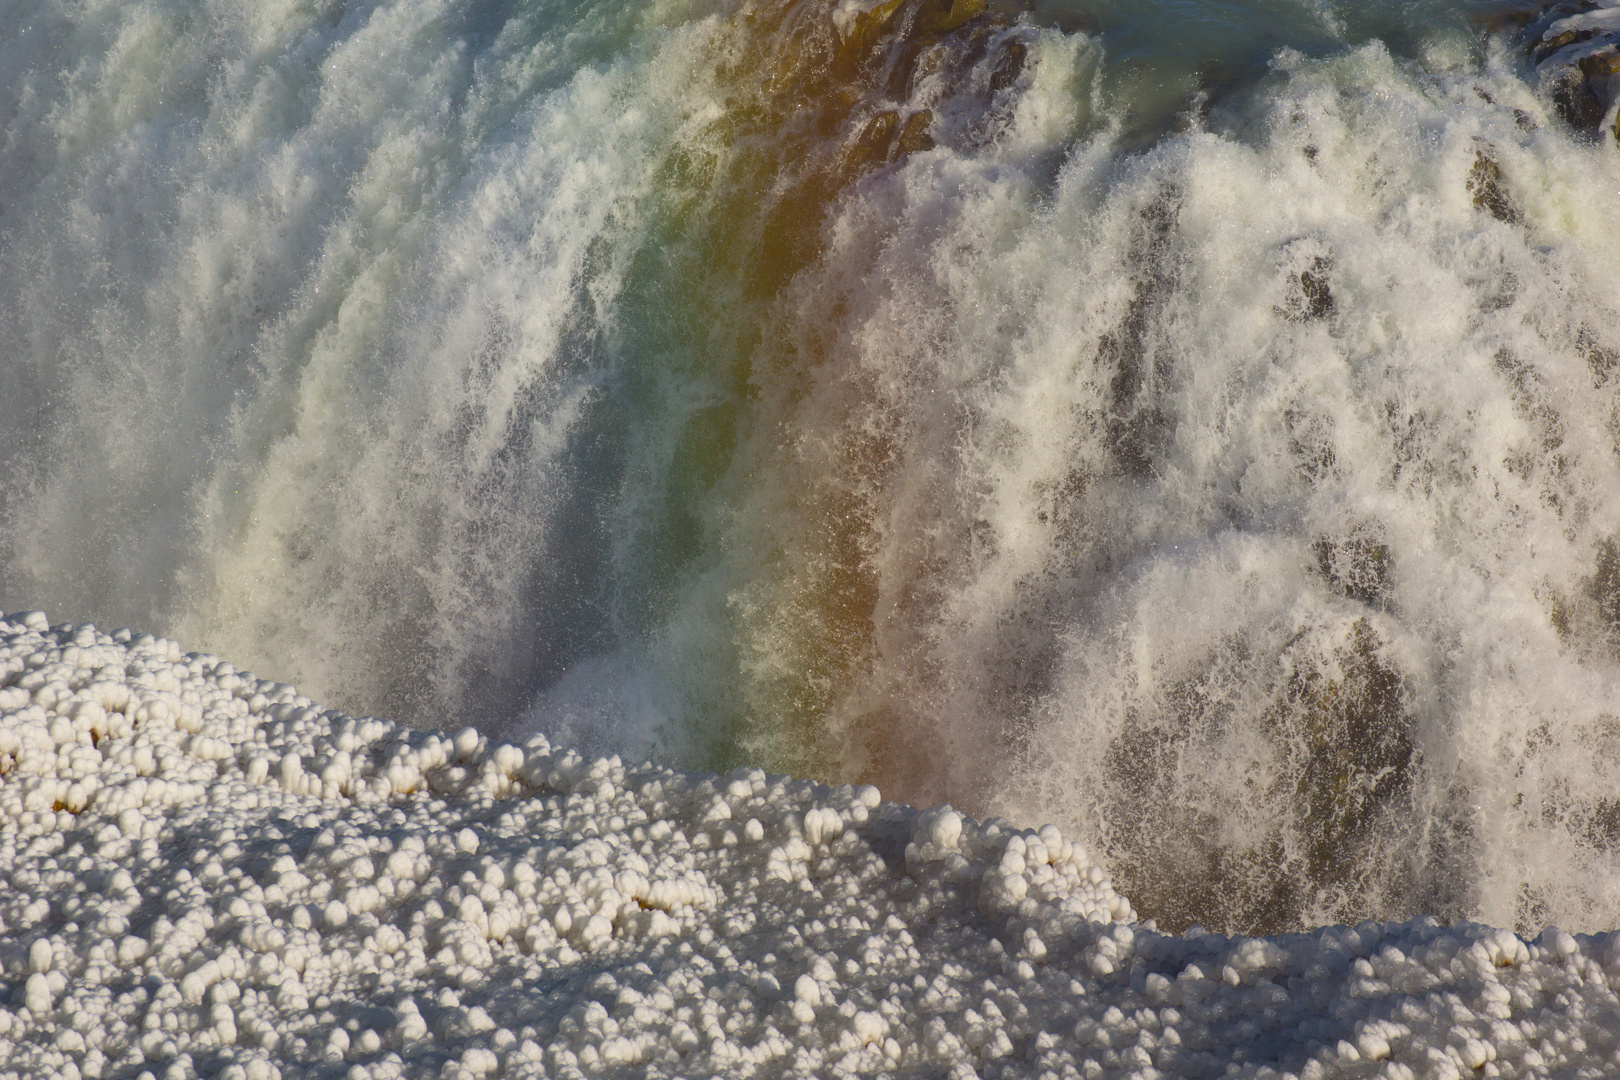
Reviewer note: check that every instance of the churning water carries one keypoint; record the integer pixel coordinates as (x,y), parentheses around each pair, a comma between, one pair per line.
(1193,423)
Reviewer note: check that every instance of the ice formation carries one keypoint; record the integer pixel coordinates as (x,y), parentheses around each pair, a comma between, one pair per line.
(205,874)
(1576,48)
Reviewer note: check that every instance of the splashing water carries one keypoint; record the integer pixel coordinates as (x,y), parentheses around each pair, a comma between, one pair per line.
(1193,424)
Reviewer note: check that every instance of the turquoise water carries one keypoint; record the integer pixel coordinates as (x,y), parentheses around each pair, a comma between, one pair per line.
(1192,424)
(1159,57)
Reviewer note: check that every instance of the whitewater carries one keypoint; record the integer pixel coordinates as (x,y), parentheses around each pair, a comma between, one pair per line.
(1194,426)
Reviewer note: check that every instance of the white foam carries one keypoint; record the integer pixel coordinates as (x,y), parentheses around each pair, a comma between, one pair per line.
(365,300)
(1126,467)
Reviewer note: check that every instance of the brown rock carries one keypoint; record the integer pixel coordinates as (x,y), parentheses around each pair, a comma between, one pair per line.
(1485,181)
(914,136)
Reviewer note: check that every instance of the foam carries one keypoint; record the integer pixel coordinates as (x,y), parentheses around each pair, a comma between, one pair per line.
(375,239)
(208,874)
(1231,492)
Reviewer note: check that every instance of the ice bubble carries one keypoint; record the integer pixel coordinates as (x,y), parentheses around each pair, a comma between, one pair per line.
(37,995)
(946,828)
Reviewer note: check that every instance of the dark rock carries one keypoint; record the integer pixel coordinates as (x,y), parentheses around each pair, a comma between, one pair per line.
(871,146)
(1601,359)
(1589,618)
(1357,566)
(1485,181)
(1579,107)
(914,136)
(1136,422)
(1339,741)
(864,30)
(1009,67)
(1313,286)
(1310,296)
(1510,18)
(943,16)
(1548,46)
(1575,45)
(834,93)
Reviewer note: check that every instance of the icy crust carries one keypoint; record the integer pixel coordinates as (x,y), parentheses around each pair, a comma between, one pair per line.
(204,874)
(1576,48)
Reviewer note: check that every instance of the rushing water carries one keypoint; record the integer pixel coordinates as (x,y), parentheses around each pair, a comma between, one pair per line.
(1193,423)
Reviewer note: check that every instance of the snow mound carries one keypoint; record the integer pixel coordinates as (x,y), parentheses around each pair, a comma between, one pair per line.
(205,874)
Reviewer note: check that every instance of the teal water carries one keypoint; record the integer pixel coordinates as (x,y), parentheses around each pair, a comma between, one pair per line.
(1192,424)
(1160,57)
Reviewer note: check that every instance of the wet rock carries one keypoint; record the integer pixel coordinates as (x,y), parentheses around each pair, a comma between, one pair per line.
(861,29)
(878,141)
(914,136)
(871,146)
(1485,181)
(1330,768)
(1512,17)
(1310,442)
(1575,45)
(1309,295)
(1354,724)
(1531,401)
(1600,358)
(1577,104)
(1009,67)
(1604,587)
(1136,422)
(1313,289)
(943,16)
(1524,120)
(1589,619)
(1357,566)
(837,89)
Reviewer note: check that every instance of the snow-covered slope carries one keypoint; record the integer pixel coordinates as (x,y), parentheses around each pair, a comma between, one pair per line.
(202,873)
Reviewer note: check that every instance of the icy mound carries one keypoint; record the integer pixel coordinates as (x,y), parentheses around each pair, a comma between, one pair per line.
(206,875)
(1575,45)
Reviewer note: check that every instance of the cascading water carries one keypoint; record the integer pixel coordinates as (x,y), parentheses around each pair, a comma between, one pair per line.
(1196,425)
